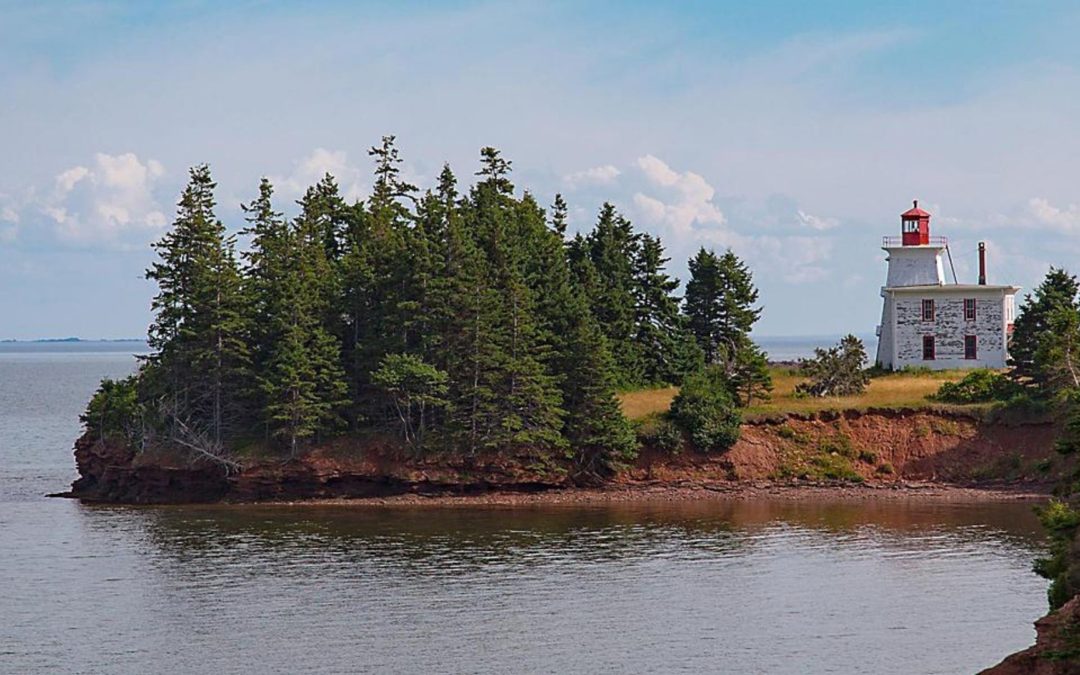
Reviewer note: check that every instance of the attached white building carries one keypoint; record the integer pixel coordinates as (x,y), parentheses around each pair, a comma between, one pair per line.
(926,322)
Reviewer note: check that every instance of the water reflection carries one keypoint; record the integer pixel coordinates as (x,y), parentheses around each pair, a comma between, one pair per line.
(716,586)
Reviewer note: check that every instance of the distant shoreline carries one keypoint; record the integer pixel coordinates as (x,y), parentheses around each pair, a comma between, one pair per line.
(68,340)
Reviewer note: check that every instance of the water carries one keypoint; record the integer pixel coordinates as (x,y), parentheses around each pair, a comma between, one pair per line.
(713,586)
(793,348)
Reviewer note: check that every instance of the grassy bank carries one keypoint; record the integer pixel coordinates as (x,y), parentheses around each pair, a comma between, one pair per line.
(896,390)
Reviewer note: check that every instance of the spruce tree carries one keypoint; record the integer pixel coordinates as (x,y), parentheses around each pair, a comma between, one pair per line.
(612,248)
(720,299)
(599,435)
(301,383)
(527,400)
(661,334)
(199,366)
(1056,294)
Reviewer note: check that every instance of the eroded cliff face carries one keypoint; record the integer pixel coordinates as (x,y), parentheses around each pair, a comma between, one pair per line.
(880,447)
(1056,650)
(344,469)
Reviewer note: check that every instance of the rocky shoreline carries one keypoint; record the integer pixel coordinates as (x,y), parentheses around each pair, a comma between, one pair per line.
(853,454)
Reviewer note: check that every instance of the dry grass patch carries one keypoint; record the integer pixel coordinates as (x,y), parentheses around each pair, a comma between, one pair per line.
(639,404)
(898,390)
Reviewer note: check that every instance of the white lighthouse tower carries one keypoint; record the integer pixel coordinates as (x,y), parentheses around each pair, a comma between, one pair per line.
(928,322)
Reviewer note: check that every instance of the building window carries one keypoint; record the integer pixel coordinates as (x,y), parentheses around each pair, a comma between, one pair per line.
(969,309)
(928,347)
(928,310)
(971,347)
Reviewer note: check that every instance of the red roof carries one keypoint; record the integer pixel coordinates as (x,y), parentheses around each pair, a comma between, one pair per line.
(915,211)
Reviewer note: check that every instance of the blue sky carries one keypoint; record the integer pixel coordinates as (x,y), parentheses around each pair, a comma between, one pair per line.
(793,132)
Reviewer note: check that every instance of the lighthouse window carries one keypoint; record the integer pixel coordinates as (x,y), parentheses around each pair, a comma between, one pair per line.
(928,310)
(971,347)
(969,309)
(928,348)
(911,226)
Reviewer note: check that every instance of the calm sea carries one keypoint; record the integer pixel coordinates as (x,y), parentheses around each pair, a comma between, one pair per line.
(714,586)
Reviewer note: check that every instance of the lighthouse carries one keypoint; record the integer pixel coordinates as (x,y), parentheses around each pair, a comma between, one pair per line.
(927,321)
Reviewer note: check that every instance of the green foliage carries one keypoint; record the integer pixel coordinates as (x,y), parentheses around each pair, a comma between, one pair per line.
(416,391)
(460,318)
(978,386)
(705,409)
(1061,522)
(833,466)
(749,376)
(836,371)
(720,298)
(664,435)
(1045,332)
(200,366)
(115,412)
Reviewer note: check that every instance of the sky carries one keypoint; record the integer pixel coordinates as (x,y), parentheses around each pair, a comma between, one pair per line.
(794,133)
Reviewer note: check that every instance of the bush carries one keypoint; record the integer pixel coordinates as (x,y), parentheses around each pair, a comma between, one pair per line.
(114,412)
(664,436)
(836,371)
(1061,522)
(705,409)
(978,386)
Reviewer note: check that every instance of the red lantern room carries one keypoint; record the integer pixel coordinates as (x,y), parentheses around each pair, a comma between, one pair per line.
(915,226)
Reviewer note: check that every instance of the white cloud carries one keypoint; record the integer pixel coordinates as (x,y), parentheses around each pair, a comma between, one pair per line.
(110,201)
(1065,220)
(688,198)
(816,222)
(311,169)
(598,175)
(686,214)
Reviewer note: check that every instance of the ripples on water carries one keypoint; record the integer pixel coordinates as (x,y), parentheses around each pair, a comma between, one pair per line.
(756,587)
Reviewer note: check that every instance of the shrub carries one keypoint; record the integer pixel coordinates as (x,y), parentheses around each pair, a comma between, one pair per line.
(1061,522)
(114,412)
(978,386)
(705,410)
(868,456)
(835,467)
(839,444)
(664,436)
(837,371)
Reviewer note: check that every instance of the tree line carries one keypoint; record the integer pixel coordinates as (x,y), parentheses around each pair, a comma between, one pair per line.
(452,318)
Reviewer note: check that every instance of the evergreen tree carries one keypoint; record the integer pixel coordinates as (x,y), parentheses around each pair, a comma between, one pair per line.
(661,334)
(1054,298)
(200,359)
(527,399)
(301,382)
(612,248)
(599,435)
(719,303)
(558,216)
(750,379)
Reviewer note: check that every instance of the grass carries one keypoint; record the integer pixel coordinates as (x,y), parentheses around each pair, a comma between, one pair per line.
(831,458)
(638,405)
(896,390)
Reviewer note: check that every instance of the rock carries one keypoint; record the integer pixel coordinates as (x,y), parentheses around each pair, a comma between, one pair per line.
(1056,650)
